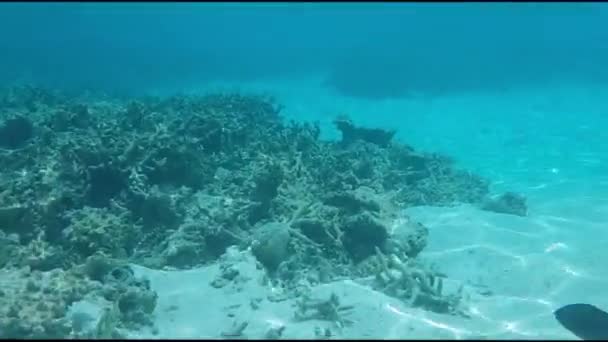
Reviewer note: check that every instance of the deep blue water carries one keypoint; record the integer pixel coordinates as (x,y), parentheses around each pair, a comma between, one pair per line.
(365,49)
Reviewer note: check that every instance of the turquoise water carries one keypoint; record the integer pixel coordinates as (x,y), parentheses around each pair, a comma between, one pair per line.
(516,93)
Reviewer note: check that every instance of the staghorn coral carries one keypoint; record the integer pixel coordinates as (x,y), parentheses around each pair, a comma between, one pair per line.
(403,278)
(323,309)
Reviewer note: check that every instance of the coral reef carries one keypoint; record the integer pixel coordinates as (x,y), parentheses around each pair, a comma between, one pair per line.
(173,182)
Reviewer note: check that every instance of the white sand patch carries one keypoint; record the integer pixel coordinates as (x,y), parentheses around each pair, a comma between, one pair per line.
(516,270)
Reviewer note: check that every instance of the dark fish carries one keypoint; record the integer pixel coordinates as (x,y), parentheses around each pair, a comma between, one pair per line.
(584,320)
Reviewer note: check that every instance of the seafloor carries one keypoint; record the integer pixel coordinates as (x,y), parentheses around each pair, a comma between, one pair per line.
(92,186)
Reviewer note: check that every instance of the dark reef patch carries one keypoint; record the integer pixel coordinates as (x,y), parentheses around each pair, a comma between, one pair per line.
(16,132)
(507,203)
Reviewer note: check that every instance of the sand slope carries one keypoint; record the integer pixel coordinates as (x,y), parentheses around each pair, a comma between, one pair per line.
(516,271)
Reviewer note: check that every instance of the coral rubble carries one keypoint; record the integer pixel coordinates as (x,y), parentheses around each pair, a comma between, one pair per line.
(173,182)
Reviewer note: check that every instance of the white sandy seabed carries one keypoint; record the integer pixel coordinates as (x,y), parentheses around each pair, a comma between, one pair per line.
(544,143)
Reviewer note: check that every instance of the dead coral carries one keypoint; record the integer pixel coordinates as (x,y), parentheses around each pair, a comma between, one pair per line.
(105,230)
(405,279)
(363,221)
(406,237)
(271,241)
(34,304)
(323,309)
(134,299)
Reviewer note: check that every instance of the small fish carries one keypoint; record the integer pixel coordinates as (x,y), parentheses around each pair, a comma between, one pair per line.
(584,320)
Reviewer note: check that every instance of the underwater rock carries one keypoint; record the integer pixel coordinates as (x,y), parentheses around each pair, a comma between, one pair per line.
(351,133)
(16,132)
(407,237)
(363,233)
(507,203)
(271,242)
(133,296)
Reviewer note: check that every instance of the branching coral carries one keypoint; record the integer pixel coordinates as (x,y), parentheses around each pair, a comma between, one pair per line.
(323,309)
(403,278)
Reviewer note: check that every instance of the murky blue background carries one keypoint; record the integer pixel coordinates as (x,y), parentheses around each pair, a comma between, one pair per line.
(374,49)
